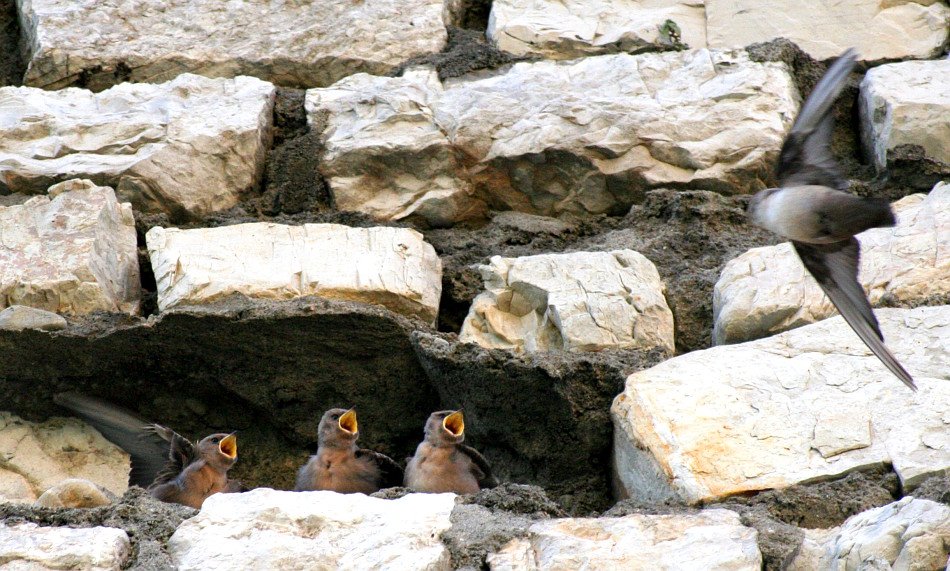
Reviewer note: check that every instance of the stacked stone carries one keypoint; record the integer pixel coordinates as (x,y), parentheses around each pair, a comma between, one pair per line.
(146,132)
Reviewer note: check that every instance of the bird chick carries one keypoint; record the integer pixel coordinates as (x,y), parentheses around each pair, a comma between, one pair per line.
(340,466)
(171,467)
(443,464)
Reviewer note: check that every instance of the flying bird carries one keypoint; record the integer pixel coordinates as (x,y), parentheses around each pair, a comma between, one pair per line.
(810,209)
(340,466)
(443,464)
(171,467)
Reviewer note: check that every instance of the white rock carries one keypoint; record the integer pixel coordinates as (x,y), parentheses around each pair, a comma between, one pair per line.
(72,251)
(906,103)
(393,267)
(800,406)
(582,301)
(712,540)
(564,29)
(20,317)
(75,493)
(288,43)
(45,454)
(187,147)
(268,529)
(894,29)
(384,152)
(767,290)
(582,136)
(29,547)
(907,534)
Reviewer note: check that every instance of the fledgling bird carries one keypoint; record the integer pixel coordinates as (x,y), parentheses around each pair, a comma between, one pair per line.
(443,464)
(340,466)
(810,209)
(168,465)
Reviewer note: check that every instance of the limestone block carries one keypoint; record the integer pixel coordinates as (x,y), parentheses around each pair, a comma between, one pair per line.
(559,29)
(584,136)
(384,153)
(907,534)
(895,29)
(303,44)
(906,103)
(187,147)
(20,317)
(29,547)
(268,529)
(712,540)
(804,405)
(582,301)
(393,267)
(71,251)
(75,493)
(15,488)
(45,454)
(767,290)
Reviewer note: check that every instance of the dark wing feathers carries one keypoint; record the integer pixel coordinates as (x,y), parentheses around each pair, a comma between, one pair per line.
(806,156)
(835,268)
(391,473)
(148,446)
(486,479)
(181,453)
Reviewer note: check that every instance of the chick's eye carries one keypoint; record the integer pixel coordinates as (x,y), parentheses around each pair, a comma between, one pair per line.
(215,439)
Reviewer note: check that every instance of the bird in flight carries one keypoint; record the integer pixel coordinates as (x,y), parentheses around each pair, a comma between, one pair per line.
(810,209)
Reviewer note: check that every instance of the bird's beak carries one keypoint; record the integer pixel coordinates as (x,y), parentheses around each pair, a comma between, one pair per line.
(454,423)
(228,446)
(348,421)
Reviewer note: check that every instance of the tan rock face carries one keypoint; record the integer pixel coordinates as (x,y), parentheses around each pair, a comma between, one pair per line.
(268,529)
(907,534)
(288,43)
(803,405)
(584,301)
(29,547)
(187,147)
(393,267)
(43,455)
(566,29)
(878,30)
(714,540)
(20,317)
(767,290)
(906,103)
(584,136)
(75,493)
(72,251)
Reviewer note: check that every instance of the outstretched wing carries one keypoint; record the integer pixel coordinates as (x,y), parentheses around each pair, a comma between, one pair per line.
(806,153)
(126,430)
(181,453)
(835,268)
(391,473)
(483,474)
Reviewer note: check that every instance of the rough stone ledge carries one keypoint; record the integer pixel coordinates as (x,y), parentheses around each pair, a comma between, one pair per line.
(805,405)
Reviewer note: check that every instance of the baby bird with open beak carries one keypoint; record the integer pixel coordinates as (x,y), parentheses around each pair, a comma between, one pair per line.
(170,466)
(443,464)
(340,466)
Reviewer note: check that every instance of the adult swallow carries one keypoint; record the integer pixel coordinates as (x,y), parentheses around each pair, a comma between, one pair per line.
(168,465)
(443,464)
(809,209)
(340,466)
